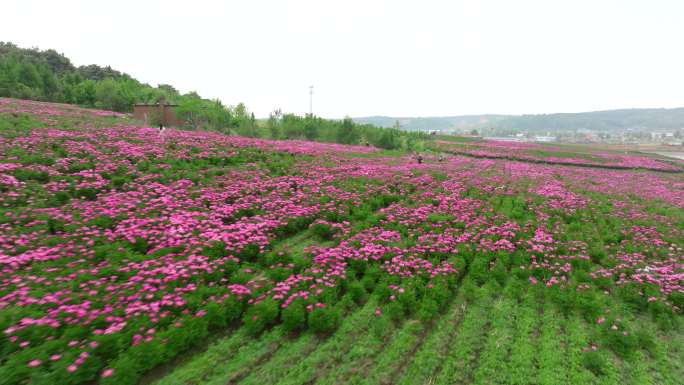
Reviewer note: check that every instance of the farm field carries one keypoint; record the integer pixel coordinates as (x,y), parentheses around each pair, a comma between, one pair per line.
(604,156)
(130,257)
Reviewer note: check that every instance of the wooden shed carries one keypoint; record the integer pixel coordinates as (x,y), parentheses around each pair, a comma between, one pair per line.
(159,113)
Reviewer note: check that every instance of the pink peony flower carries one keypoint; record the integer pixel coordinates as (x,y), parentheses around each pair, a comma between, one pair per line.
(34,363)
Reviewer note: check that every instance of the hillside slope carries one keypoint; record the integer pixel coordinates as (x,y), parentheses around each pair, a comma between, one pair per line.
(189,257)
(646,119)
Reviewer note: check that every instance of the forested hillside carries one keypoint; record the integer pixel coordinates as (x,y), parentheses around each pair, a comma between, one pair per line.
(50,76)
(46,75)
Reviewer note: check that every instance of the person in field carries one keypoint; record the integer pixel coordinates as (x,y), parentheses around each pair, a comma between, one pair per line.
(162,130)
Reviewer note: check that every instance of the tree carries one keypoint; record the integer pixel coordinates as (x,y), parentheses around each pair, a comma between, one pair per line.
(346,134)
(50,76)
(387,140)
(190,111)
(273,124)
(310,129)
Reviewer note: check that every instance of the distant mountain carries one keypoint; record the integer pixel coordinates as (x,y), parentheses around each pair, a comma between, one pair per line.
(642,119)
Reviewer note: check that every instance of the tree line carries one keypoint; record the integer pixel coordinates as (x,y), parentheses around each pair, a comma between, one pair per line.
(47,75)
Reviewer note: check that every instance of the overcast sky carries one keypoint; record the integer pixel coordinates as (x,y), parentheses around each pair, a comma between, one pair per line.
(397,58)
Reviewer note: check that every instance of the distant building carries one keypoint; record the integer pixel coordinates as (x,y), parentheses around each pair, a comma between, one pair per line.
(504,139)
(159,113)
(545,138)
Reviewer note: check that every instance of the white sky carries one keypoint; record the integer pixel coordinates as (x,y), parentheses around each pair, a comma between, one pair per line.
(398,58)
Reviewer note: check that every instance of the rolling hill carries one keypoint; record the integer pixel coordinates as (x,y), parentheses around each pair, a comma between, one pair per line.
(644,119)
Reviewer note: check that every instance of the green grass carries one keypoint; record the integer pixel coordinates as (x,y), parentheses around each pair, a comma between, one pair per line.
(393,355)
(462,358)
(492,363)
(551,347)
(430,357)
(205,363)
(577,341)
(282,361)
(247,357)
(521,366)
(328,354)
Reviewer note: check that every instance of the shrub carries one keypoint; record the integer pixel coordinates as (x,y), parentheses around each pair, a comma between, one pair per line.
(324,320)
(439,293)
(370,278)
(118,182)
(140,245)
(677,299)
(381,326)
(87,193)
(294,316)
(24,175)
(249,253)
(232,308)
(278,274)
(55,226)
(394,311)
(589,304)
(103,222)
(215,315)
(181,339)
(261,315)
(645,340)
(126,372)
(594,361)
(216,250)
(293,226)
(479,269)
(618,342)
(346,304)
(322,231)
(60,198)
(408,300)
(469,290)
(357,292)
(382,291)
(428,310)
(499,272)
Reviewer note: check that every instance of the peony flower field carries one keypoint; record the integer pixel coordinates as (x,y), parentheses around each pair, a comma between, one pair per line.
(130,256)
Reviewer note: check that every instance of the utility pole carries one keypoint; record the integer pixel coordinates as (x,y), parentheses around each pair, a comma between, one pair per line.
(311,100)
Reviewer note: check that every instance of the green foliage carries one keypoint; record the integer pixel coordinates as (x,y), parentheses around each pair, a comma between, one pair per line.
(261,315)
(24,174)
(294,316)
(49,76)
(322,231)
(428,310)
(289,126)
(55,226)
(324,320)
(594,361)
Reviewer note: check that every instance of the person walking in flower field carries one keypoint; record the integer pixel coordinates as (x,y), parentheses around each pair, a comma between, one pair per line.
(162,130)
